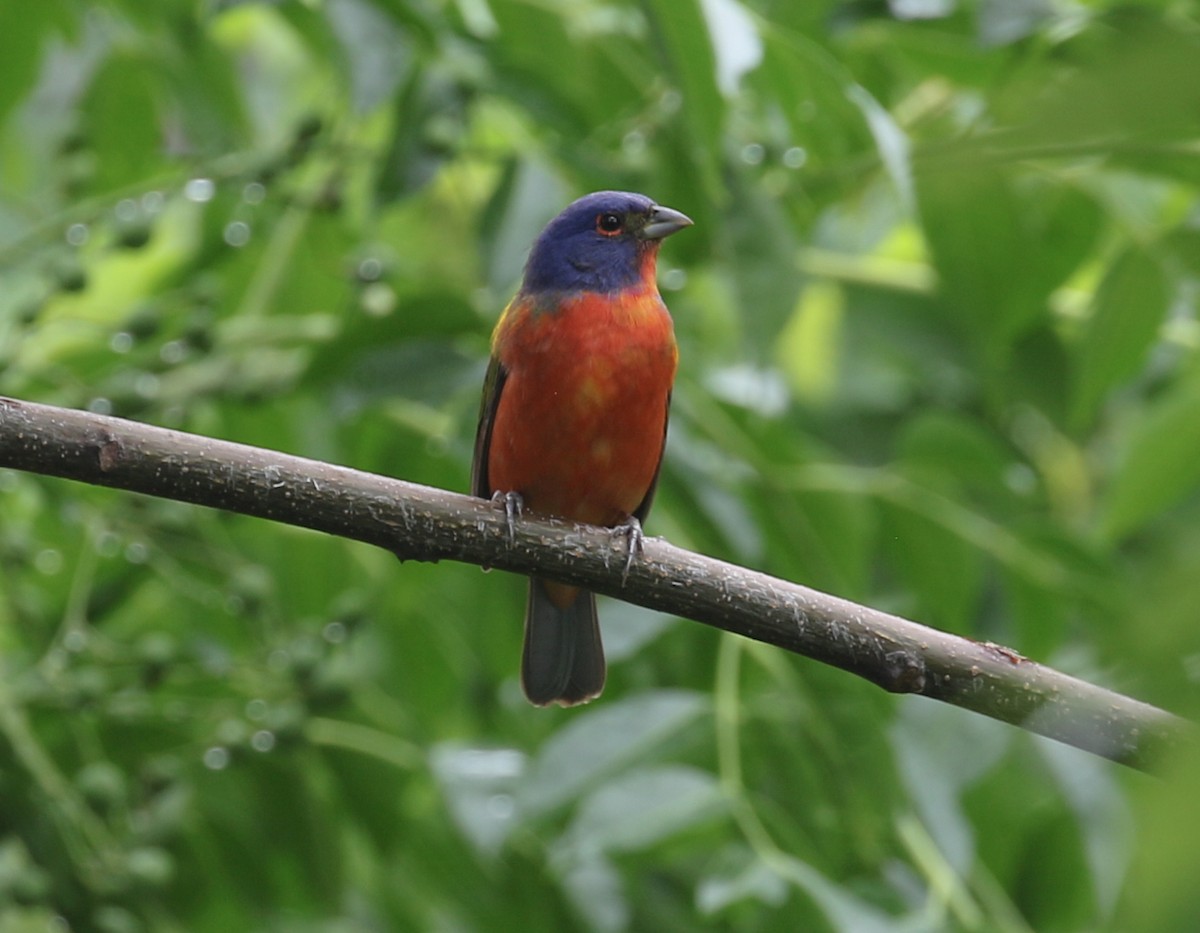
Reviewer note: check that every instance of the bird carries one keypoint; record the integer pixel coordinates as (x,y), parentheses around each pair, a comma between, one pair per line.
(573,418)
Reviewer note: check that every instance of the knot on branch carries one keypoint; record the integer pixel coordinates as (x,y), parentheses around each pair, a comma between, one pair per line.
(108,453)
(902,672)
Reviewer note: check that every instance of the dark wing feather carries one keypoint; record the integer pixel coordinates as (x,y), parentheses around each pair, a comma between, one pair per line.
(493,383)
(643,508)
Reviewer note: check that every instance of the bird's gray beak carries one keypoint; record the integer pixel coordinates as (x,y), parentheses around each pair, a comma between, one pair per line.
(663,222)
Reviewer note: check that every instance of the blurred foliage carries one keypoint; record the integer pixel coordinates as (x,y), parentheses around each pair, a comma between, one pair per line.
(939,354)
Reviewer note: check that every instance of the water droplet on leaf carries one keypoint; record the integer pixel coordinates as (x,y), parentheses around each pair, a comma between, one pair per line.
(199,190)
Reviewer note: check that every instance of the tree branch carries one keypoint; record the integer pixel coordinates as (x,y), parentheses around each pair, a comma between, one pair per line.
(422,523)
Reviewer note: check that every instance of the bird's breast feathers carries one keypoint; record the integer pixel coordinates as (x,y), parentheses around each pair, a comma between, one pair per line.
(593,333)
(584,406)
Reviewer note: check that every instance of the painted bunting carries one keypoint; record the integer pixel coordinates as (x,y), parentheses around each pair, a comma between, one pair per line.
(574,412)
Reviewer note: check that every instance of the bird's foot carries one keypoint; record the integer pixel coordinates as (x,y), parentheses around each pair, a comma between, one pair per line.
(513,504)
(631,531)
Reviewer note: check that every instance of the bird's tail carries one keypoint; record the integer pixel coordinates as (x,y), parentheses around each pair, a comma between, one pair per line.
(563,659)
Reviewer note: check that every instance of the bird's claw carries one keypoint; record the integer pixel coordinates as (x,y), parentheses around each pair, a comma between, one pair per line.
(632,532)
(513,506)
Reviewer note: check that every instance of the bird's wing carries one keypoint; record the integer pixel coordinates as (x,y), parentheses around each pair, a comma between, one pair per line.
(493,384)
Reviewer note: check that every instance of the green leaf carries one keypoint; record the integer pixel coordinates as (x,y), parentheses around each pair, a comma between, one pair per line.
(689,59)
(1105,823)
(837,532)
(951,448)
(765,278)
(375,51)
(1134,86)
(1128,311)
(598,892)
(929,739)
(122,121)
(602,741)
(1159,464)
(983,255)
(24,29)
(473,780)
(1037,373)
(891,142)
(644,807)
(1001,22)
(742,877)
(943,571)
(809,89)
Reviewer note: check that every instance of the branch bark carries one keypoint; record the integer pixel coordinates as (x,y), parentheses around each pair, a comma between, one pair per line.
(423,523)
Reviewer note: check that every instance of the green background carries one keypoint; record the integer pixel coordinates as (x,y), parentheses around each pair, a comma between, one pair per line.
(938,333)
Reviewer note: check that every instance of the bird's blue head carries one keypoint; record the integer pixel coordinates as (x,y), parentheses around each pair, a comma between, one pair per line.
(600,243)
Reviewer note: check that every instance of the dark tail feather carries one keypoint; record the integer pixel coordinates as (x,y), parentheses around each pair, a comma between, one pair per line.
(563,660)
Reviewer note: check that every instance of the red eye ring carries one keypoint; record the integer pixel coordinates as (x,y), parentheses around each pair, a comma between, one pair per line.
(609,224)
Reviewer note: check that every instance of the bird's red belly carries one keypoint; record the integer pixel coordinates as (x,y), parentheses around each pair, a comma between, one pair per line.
(579,428)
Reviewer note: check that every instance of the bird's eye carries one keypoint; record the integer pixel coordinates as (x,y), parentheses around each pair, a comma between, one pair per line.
(609,224)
